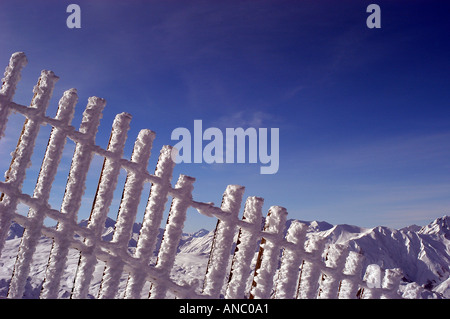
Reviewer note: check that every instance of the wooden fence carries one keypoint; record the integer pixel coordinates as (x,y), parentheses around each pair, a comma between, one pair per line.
(287,265)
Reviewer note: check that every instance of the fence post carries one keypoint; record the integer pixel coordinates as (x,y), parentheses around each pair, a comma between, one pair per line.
(72,198)
(309,279)
(12,76)
(269,254)
(290,262)
(42,190)
(353,267)
(372,277)
(152,220)
(134,185)
(15,175)
(102,202)
(391,282)
(172,235)
(245,249)
(335,261)
(222,242)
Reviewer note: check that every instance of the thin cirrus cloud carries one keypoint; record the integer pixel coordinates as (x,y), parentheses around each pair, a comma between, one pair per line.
(396,151)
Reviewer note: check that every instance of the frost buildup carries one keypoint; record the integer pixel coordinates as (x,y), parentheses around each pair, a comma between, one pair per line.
(331,278)
(222,241)
(310,274)
(72,197)
(9,83)
(102,202)
(245,247)
(152,220)
(292,257)
(172,236)
(21,157)
(42,190)
(134,185)
(353,269)
(269,253)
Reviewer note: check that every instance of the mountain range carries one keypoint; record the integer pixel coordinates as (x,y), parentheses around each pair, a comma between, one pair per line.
(421,253)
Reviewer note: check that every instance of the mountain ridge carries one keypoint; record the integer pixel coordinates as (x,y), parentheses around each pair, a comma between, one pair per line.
(421,253)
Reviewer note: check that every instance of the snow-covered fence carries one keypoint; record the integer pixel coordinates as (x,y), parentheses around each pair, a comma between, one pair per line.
(267,262)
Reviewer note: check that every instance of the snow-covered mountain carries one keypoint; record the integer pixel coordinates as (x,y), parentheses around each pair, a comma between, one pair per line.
(422,254)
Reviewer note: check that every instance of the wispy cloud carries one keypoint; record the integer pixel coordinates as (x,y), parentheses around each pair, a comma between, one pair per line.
(395,151)
(244,119)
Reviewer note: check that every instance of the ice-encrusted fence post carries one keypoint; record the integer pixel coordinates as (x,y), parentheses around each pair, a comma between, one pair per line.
(290,262)
(102,202)
(9,83)
(353,268)
(172,235)
(372,277)
(223,241)
(381,283)
(134,185)
(21,158)
(152,220)
(42,190)
(309,279)
(391,282)
(72,197)
(330,280)
(245,249)
(269,253)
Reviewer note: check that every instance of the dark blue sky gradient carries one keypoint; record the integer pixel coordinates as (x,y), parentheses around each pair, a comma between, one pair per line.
(363,113)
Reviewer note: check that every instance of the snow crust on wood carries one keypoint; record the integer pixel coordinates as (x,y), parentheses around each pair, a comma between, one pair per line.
(152,220)
(245,249)
(269,253)
(9,83)
(102,202)
(172,235)
(222,242)
(308,268)
(21,157)
(309,276)
(289,270)
(134,185)
(334,256)
(42,191)
(72,197)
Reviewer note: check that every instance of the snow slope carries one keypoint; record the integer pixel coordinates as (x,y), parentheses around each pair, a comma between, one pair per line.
(422,253)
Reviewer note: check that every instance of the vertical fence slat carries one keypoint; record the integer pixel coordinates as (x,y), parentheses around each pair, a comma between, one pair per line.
(353,267)
(269,254)
(134,185)
(245,249)
(72,198)
(21,159)
(318,277)
(222,242)
(172,235)
(391,282)
(290,262)
(335,261)
(9,83)
(42,190)
(309,279)
(373,277)
(102,202)
(152,220)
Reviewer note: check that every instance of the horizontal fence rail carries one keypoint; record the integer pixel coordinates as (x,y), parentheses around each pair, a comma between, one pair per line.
(268,261)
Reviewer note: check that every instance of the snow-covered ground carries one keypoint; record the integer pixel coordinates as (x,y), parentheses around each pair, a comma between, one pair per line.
(422,254)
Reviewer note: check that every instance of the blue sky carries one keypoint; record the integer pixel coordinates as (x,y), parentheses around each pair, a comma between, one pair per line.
(363,113)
